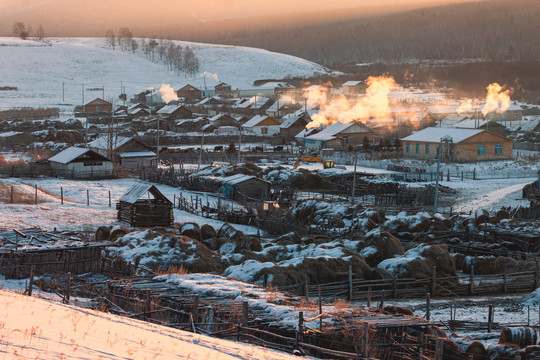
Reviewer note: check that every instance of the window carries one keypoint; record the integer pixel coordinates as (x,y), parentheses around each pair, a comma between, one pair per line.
(98,107)
(498,149)
(417,148)
(427,148)
(516,114)
(93,163)
(264,131)
(481,149)
(346,140)
(408,148)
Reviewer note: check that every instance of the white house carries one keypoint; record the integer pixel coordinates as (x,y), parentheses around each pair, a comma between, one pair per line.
(78,162)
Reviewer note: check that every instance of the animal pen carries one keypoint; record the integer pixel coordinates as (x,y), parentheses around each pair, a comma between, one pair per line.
(47,252)
(154,210)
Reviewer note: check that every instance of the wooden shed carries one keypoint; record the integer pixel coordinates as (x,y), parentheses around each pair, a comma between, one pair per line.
(144,206)
(244,187)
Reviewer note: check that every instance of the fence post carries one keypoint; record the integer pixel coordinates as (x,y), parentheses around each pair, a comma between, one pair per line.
(87,198)
(471,281)
(61,195)
(35,194)
(434,281)
(439,349)
(369,297)
(31,281)
(195,309)
(536,283)
(420,344)
(474,174)
(110,203)
(448,175)
(306,285)
(300,326)
(428,306)
(350,284)
(320,307)
(505,279)
(245,313)
(490,318)
(11,194)
(365,340)
(381,304)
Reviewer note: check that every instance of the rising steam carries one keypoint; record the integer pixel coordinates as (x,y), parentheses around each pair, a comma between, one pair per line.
(210,75)
(465,107)
(496,99)
(167,93)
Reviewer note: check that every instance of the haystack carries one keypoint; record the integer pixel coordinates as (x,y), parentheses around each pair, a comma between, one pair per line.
(118,231)
(102,233)
(229,232)
(399,310)
(379,245)
(513,266)
(207,232)
(503,352)
(521,337)
(470,348)
(191,230)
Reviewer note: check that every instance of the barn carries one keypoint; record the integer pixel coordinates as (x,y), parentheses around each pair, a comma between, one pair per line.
(97,106)
(76,162)
(340,136)
(244,187)
(457,145)
(145,206)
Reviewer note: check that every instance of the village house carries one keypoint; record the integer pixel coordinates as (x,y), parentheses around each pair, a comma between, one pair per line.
(489,125)
(223,89)
(457,145)
(513,113)
(244,187)
(340,137)
(118,148)
(174,112)
(223,120)
(292,126)
(145,206)
(97,106)
(262,125)
(189,93)
(76,162)
(353,87)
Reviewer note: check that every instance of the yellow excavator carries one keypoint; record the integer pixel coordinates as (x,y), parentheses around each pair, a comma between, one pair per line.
(327,164)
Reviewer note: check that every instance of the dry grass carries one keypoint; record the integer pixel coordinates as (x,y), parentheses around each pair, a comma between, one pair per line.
(174,270)
(19,197)
(39,154)
(9,163)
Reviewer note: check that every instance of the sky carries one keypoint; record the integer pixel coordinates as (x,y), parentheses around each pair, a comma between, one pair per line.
(78,16)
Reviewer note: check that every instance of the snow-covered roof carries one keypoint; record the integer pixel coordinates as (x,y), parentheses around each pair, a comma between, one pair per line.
(68,155)
(254,121)
(330,132)
(435,134)
(133,154)
(168,109)
(353,83)
(240,178)
(139,190)
(103,142)
(470,123)
(290,121)
(305,133)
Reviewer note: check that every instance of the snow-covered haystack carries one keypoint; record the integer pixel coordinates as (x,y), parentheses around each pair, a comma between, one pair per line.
(315,212)
(503,352)
(191,230)
(488,265)
(294,178)
(111,233)
(164,250)
(418,263)
(532,299)
(378,245)
(229,170)
(532,352)
(521,336)
(285,265)
(470,348)
(422,221)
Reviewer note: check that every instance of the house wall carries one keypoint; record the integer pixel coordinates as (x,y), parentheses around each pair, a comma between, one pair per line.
(510,115)
(270,130)
(189,93)
(98,108)
(138,162)
(465,151)
(251,188)
(96,169)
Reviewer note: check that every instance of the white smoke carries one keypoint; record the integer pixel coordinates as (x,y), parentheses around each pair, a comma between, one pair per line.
(210,75)
(167,93)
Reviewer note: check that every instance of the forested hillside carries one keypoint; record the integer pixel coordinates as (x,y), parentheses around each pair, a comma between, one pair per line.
(493,30)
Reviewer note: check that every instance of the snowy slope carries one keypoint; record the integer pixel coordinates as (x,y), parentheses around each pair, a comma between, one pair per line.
(33,328)
(39,69)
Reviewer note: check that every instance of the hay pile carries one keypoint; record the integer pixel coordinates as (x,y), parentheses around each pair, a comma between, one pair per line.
(420,222)
(222,171)
(418,263)
(470,348)
(503,352)
(161,249)
(521,336)
(295,178)
(378,245)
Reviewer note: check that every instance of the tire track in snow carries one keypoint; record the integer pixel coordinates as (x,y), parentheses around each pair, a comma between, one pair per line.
(488,200)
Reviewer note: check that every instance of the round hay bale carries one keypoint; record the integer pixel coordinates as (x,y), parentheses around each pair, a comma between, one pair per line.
(470,348)
(379,245)
(336,222)
(502,214)
(250,243)
(102,233)
(440,257)
(522,336)
(482,216)
(532,352)
(229,232)
(459,260)
(399,310)
(503,352)
(493,220)
(117,232)
(291,238)
(191,230)
(228,247)
(207,232)
(435,331)
(213,243)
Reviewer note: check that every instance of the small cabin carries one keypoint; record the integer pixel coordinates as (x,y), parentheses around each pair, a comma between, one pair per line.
(145,206)
(244,187)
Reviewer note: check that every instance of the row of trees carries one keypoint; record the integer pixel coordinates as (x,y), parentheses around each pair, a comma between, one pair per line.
(175,57)
(23,31)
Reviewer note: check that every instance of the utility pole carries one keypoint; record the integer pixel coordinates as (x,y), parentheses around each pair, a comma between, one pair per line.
(200,153)
(354,175)
(157,147)
(239,143)
(82,85)
(437,178)
(103,92)
(63,93)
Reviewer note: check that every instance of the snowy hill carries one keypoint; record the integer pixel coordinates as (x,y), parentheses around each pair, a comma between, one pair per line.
(39,329)
(39,69)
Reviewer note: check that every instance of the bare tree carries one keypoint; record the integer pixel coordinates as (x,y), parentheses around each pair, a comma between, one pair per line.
(124,38)
(134,45)
(20,30)
(40,33)
(111,39)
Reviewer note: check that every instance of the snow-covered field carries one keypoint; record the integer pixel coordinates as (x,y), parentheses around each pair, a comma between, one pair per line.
(33,328)
(38,70)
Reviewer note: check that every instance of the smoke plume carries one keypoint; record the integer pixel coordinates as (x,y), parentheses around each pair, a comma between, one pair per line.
(167,93)
(465,106)
(496,99)
(210,75)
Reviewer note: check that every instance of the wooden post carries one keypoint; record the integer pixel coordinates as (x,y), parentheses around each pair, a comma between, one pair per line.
(110,202)
(35,194)
(428,306)
(394,285)
(265,280)
(61,195)
(365,340)
(87,198)
(490,317)
(300,326)
(505,281)
(320,307)
(68,288)
(439,349)
(306,285)
(434,281)
(195,309)
(350,284)
(528,315)
(381,304)
(536,282)
(31,282)
(369,297)
(420,344)
(11,194)
(146,304)
(471,281)
(245,313)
